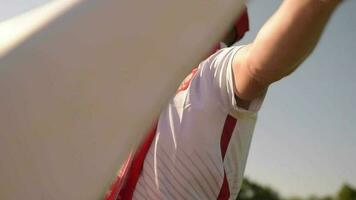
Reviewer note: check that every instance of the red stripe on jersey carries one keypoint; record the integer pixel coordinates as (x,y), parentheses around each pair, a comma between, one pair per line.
(224,191)
(228,129)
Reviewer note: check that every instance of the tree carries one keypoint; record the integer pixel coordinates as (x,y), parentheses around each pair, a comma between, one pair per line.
(295,198)
(320,198)
(253,191)
(346,193)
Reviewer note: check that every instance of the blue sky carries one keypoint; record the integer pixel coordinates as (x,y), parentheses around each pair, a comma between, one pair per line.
(305,138)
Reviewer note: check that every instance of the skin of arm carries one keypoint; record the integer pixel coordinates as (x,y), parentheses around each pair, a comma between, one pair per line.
(281,45)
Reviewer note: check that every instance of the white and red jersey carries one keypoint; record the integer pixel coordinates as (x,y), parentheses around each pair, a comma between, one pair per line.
(198,148)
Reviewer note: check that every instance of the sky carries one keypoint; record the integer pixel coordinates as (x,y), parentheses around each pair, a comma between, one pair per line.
(305,139)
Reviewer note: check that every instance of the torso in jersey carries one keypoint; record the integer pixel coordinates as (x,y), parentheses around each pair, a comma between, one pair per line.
(202,138)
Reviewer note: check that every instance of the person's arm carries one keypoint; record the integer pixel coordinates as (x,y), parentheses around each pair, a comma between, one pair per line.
(282,44)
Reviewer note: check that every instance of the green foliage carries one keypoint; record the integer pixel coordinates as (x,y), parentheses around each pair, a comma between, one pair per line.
(254,191)
(346,193)
(295,198)
(320,198)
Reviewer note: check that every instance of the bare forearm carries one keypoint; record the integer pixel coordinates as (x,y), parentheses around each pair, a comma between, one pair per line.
(288,38)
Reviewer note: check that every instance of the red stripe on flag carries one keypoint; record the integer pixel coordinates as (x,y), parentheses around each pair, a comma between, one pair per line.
(118,182)
(242,25)
(136,167)
(124,186)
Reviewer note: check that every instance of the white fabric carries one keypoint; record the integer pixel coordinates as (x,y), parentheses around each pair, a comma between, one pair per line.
(184,161)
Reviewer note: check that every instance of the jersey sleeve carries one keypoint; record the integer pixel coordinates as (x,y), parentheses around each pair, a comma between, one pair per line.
(217,82)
